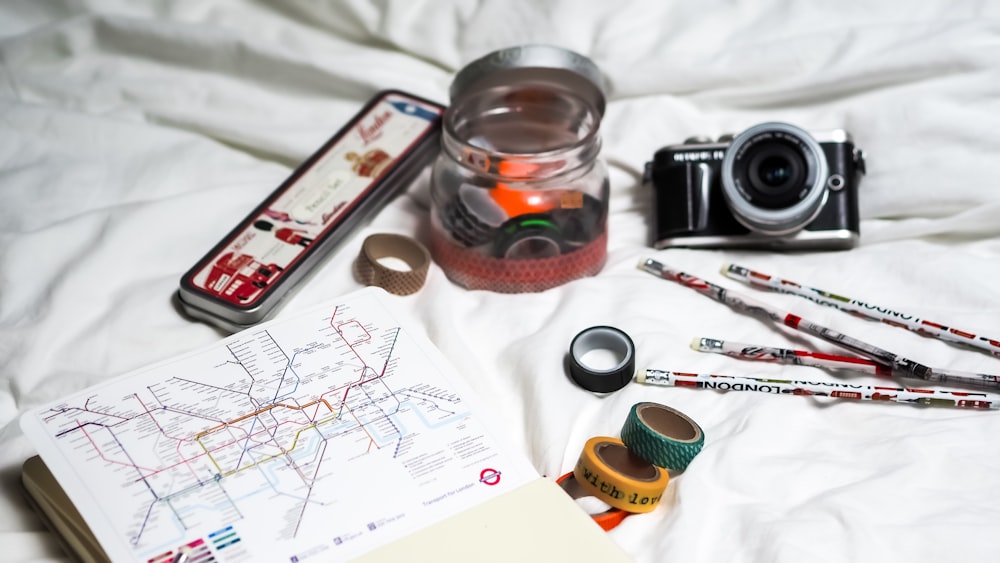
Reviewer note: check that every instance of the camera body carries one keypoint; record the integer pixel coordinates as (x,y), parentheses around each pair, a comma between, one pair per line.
(773,186)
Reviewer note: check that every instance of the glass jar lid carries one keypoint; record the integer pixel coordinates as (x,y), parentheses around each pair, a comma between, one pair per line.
(537,65)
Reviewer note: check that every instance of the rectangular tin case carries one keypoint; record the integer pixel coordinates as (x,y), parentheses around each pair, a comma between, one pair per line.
(242,280)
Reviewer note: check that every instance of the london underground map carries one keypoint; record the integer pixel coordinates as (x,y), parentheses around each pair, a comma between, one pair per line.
(324,435)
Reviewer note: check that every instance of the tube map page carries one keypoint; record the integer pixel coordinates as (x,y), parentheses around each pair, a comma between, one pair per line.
(320,436)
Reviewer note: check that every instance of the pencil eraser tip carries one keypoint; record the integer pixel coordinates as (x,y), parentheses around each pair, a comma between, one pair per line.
(640,376)
(696,343)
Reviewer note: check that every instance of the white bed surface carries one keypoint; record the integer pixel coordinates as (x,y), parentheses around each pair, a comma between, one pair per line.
(133,136)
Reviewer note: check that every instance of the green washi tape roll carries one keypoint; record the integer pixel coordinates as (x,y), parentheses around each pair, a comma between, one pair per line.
(662,436)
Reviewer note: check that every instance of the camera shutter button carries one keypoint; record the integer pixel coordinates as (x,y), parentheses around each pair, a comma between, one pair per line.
(697,140)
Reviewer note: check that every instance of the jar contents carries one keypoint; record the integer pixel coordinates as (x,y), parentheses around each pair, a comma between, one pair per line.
(519,192)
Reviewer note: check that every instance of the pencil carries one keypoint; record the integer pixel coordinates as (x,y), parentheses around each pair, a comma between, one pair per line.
(183,554)
(899,366)
(926,397)
(789,356)
(862,309)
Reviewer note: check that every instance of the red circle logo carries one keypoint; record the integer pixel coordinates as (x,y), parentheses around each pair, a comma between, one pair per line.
(489,476)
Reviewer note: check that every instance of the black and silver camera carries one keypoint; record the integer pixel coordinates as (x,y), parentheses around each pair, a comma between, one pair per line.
(772,186)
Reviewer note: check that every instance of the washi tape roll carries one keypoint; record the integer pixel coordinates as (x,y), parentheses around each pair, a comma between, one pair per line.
(607,520)
(662,436)
(528,237)
(612,369)
(370,271)
(610,472)
(473,217)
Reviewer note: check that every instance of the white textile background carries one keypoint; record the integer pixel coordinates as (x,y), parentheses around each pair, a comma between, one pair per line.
(134,135)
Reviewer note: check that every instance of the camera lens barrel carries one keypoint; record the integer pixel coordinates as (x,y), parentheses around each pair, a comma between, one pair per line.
(774,178)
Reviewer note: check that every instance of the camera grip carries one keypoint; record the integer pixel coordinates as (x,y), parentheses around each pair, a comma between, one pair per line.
(681,195)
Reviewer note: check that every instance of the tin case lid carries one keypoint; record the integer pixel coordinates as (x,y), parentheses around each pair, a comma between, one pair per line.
(537,64)
(361,195)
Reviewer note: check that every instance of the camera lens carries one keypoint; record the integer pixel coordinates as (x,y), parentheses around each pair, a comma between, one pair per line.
(773,178)
(773,175)
(774,171)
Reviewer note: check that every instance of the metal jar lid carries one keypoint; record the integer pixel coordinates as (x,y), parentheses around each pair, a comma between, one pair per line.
(533,64)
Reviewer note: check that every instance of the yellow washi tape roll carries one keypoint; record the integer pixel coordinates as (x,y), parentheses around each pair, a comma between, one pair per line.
(613,474)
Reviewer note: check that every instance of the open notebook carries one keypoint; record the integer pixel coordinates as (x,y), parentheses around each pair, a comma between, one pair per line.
(536,522)
(339,434)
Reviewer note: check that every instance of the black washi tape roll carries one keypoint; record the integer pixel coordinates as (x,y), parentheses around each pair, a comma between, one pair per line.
(589,355)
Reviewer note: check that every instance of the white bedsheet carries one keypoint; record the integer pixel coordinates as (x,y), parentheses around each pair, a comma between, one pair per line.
(134,135)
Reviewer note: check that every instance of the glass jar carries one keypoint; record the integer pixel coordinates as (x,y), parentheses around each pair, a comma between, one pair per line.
(519,190)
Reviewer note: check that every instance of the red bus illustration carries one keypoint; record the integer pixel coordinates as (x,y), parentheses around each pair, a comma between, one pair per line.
(239,278)
(974,404)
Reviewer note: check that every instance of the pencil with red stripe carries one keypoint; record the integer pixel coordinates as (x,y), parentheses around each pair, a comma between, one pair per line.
(862,309)
(789,356)
(898,365)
